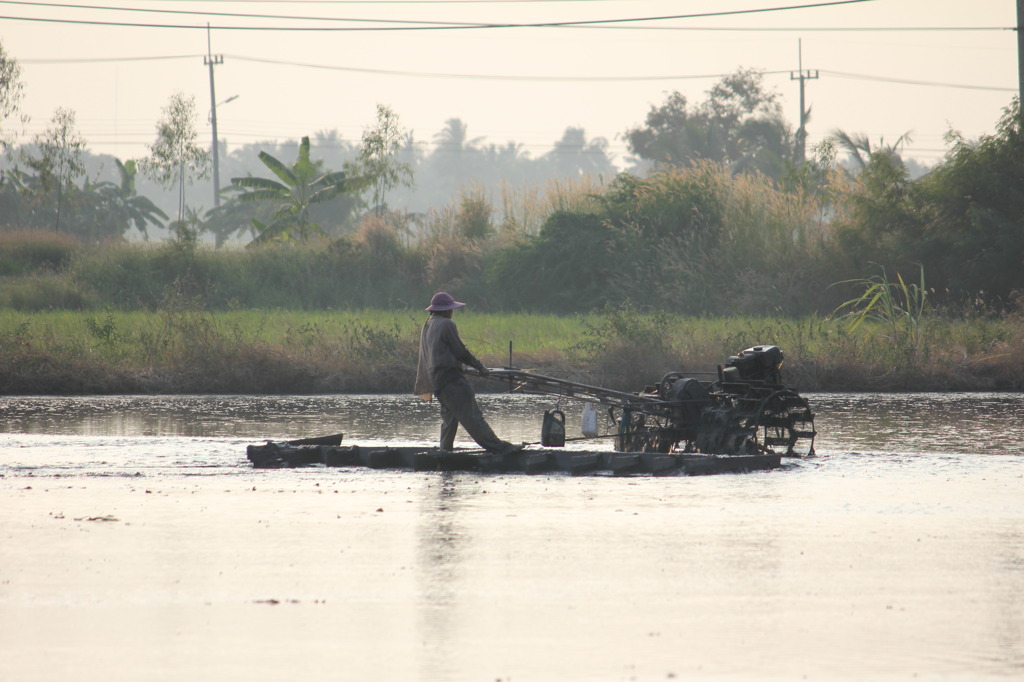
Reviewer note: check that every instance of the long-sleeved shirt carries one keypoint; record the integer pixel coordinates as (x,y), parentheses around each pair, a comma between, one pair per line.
(442,355)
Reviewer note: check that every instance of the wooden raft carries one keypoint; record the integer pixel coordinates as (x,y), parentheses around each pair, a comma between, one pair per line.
(529,461)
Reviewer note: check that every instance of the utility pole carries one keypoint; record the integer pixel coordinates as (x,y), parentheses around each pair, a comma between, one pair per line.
(1020,55)
(801,135)
(211,61)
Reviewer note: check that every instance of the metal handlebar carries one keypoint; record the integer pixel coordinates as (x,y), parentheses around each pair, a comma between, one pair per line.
(522,381)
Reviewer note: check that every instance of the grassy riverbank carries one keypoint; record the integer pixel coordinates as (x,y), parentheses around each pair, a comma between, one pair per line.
(190,350)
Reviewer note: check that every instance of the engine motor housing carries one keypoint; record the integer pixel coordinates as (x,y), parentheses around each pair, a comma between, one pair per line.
(760,363)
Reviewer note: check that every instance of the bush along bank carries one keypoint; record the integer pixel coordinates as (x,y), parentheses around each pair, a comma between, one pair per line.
(190,350)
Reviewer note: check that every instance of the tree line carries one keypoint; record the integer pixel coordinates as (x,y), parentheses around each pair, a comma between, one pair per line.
(719,212)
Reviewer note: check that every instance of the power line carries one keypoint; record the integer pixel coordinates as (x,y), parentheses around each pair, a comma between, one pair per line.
(233,15)
(495,77)
(104,60)
(388,72)
(814,29)
(906,81)
(392,2)
(577,25)
(385,72)
(408,25)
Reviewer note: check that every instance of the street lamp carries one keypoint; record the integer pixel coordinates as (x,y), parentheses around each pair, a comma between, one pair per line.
(209,116)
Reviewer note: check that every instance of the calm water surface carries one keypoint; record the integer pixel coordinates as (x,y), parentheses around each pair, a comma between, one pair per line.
(896,553)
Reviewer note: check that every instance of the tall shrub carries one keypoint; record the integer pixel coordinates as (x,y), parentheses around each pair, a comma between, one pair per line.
(974,238)
(565,269)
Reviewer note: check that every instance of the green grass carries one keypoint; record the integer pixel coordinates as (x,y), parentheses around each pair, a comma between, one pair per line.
(485,333)
(186,350)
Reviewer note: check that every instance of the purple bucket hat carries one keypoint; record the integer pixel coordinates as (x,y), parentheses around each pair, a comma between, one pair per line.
(442,300)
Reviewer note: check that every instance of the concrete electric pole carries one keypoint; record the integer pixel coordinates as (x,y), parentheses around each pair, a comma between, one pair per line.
(801,135)
(212,60)
(1020,55)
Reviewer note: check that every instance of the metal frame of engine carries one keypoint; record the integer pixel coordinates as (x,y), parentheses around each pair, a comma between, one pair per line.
(738,417)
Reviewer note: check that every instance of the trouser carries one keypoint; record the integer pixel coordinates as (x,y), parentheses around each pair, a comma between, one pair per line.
(458,406)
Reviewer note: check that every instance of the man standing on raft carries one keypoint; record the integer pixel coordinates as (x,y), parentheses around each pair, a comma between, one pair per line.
(439,373)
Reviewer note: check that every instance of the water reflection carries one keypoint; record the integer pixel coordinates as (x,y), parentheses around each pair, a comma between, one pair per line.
(898,550)
(397,418)
(1009,622)
(181,434)
(879,423)
(441,541)
(981,423)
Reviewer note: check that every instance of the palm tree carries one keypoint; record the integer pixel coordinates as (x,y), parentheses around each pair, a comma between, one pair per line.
(454,137)
(859,146)
(574,156)
(506,164)
(455,157)
(301,185)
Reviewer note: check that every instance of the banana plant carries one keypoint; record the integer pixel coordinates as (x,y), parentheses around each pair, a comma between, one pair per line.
(298,187)
(128,208)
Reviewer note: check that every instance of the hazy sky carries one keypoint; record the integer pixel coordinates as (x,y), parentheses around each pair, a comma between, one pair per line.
(525,84)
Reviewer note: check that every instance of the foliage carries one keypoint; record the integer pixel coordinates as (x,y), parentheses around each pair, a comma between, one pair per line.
(524,209)
(688,202)
(494,167)
(622,325)
(897,307)
(473,215)
(817,178)
(186,234)
(456,159)
(124,207)
(685,240)
(860,150)
(699,239)
(378,157)
(233,218)
(973,237)
(44,291)
(564,270)
(740,123)
(884,221)
(29,251)
(59,161)
(96,212)
(182,347)
(963,222)
(453,159)
(174,157)
(704,240)
(371,345)
(574,156)
(23,202)
(450,261)
(11,92)
(301,186)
